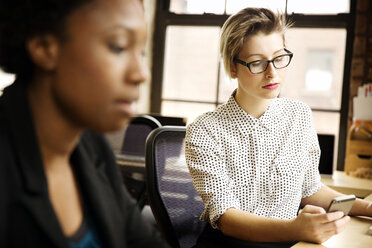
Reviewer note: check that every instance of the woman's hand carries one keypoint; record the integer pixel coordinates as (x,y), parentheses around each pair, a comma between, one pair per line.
(313,224)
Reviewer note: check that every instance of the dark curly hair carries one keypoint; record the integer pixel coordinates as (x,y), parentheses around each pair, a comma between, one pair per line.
(21,19)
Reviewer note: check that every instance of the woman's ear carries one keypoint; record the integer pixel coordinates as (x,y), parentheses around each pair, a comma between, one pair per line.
(43,50)
(233,72)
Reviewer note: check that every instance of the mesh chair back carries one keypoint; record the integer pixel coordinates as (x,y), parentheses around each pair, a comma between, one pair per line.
(173,199)
(133,151)
(134,142)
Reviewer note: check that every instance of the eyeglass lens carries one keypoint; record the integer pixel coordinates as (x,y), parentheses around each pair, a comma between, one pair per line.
(261,65)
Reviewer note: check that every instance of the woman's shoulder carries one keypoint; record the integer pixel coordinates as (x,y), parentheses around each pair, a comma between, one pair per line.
(210,119)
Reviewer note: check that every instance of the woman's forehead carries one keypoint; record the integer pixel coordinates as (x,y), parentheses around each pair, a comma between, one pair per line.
(106,14)
(262,44)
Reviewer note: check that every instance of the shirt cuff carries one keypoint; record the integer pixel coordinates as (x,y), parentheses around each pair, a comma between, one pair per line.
(215,211)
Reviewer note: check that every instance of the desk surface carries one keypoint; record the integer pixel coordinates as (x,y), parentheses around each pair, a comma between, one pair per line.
(348,184)
(355,235)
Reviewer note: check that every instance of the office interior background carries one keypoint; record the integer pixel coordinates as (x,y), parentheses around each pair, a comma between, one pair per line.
(331,41)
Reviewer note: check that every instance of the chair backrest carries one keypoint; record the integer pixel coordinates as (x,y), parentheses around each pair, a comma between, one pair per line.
(171,194)
(170,120)
(327,144)
(134,142)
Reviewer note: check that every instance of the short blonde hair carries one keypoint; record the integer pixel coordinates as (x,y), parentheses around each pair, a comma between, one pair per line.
(247,22)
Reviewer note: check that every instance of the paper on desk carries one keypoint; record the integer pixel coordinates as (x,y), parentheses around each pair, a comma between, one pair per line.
(362,108)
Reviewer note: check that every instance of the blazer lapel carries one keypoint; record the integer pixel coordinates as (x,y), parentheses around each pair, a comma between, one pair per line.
(98,194)
(36,198)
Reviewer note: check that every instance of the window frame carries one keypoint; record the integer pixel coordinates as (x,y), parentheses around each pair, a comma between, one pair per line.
(164,18)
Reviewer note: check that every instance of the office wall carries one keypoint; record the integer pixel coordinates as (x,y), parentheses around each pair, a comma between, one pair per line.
(361,67)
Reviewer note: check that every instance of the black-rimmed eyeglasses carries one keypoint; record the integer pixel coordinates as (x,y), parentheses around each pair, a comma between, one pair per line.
(259,66)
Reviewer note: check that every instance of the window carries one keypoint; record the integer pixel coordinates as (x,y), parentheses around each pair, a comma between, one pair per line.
(189,79)
(317,74)
(190,64)
(317,68)
(233,6)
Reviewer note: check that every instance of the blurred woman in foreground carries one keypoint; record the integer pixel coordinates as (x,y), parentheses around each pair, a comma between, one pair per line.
(78,67)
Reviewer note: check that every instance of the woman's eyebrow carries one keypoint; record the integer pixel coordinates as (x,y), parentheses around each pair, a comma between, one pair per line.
(258,54)
(123,27)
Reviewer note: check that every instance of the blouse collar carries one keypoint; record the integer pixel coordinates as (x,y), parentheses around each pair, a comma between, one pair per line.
(246,122)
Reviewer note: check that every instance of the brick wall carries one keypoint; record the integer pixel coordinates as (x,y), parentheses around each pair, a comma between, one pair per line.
(361,67)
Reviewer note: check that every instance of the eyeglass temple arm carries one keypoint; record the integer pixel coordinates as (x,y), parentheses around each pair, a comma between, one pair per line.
(240,61)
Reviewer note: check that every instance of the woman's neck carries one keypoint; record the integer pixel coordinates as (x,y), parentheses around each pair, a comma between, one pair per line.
(57,137)
(256,107)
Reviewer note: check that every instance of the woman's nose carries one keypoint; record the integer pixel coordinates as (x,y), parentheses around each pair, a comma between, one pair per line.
(138,72)
(270,70)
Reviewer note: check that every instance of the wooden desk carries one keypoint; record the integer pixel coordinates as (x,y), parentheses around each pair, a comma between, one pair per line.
(355,235)
(348,184)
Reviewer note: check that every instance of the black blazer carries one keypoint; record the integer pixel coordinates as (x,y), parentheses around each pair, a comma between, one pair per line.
(27,218)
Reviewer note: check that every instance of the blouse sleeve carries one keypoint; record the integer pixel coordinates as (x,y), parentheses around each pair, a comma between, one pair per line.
(312,181)
(206,162)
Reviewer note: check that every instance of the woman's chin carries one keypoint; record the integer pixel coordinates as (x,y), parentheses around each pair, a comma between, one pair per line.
(111,126)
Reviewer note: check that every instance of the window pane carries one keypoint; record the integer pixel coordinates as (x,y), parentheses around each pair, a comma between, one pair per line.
(5,80)
(233,6)
(328,123)
(319,6)
(318,76)
(191,63)
(316,72)
(185,109)
(197,6)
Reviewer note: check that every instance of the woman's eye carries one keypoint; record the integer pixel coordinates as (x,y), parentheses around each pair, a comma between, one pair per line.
(143,53)
(257,64)
(116,48)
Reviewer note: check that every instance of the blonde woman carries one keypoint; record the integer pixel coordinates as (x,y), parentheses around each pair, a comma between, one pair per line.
(254,160)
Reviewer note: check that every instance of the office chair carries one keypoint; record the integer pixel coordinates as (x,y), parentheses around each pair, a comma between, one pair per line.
(170,120)
(132,156)
(134,142)
(327,144)
(174,202)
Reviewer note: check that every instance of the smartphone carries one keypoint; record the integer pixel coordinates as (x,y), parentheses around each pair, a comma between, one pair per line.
(342,203)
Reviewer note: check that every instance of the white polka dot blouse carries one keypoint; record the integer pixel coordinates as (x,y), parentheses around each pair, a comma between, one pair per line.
(264,166)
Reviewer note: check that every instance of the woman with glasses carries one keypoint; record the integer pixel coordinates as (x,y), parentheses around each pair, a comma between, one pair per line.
(254,160)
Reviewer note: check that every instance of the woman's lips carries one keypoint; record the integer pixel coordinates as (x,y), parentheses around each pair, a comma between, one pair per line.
(271,86)
(127,107)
